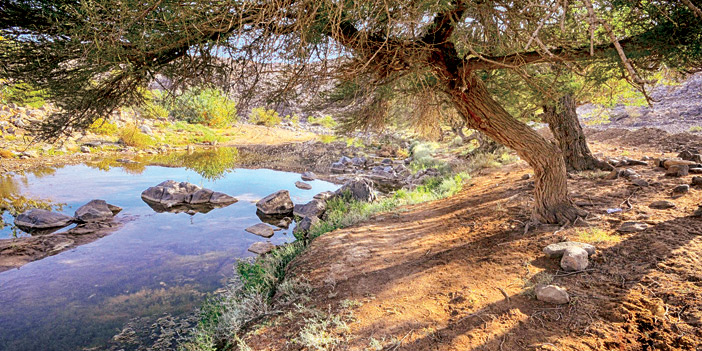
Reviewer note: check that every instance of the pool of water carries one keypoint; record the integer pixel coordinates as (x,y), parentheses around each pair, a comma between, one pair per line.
(156,264)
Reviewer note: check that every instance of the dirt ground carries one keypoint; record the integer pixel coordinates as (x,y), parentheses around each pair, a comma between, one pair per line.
(457,274)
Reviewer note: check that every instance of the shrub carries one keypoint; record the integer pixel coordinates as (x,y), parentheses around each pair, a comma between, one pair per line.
(155,105)
(294,119)
(262,116)
(23,94)
(103,127)
(326,121)
(131,136)
(207,106)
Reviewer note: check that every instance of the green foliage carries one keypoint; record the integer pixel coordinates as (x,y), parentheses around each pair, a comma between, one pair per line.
(325,121)
(597,235)
(184,133)
(423,157)
(294,119)
(155,105)
(208,106)
(103,127)
(695,129)
(23,94)
(131,135)
(327,139)
(262,116)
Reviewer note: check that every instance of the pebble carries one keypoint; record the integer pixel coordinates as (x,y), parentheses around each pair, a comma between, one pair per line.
(681,189)
(557,249)
(552,294)
(662,205)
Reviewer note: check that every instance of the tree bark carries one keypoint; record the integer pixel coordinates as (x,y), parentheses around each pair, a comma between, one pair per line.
(562,119)
(482,112)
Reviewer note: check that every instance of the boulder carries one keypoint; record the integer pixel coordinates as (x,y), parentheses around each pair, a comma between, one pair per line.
(303,185)
(574,259)
(338,167)
(552,294)
(662,205)
(557,249)
(308,176)
(261,248)
(678,171)
(359,161)
(632,227)
(358,189)
(314,208)
(173,196)
(278,203)
(261,229)
(96,211)
(324,196)
(41,219)
(303,227)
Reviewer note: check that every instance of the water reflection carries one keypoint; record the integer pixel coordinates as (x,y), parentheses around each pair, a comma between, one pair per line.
(155,264)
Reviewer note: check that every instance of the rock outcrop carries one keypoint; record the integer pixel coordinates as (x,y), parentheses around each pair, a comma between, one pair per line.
(172,196)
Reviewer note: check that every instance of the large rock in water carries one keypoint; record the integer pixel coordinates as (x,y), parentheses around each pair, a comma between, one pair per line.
(358,189)
(174,196)
(314,208)
(278,203)
(96,211)
(41,219)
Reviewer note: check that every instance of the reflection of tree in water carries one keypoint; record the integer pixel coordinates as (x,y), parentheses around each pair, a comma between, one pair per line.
(12,202)
(210,164)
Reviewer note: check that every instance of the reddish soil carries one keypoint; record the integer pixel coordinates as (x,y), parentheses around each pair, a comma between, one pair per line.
(455,274)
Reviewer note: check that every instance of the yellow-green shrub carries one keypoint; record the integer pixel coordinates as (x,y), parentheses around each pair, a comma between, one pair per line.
(131,135)
(207,106)
(103,127)
(326,121)
(260,115)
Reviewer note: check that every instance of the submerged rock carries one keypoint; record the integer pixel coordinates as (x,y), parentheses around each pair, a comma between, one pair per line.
(261,248)
(41,219)
(261,229)
(171,196)
(96,211)
(278,203)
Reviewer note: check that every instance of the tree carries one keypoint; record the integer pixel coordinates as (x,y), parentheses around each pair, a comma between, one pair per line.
(91,56)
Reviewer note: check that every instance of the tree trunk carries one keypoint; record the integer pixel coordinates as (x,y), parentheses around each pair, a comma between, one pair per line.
(483,113)
(563,121)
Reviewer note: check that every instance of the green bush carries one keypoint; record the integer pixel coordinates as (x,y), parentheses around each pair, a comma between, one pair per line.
(326,121)
(23,94)
(131,135)
(103,127)
(208,106)
(262,116)
(155,105)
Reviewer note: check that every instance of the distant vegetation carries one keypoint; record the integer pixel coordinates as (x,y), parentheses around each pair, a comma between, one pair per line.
(260,115)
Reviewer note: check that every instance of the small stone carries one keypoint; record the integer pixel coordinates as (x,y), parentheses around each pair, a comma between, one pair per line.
(261,229)
(695,170)
(698,212)
(574,259)
(639,182)
(627,173)
(631,162)
(308,176)
(632,227)
(303,185)
(526,176)
(552,294)
(685,155)
(261,248)
(662,205)
(557,249)
(681,190)
(696,181)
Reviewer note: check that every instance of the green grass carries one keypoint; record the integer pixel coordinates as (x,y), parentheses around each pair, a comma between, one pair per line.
(695,129)
(248,297)
(262,116)
(326,121)
(131,135)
